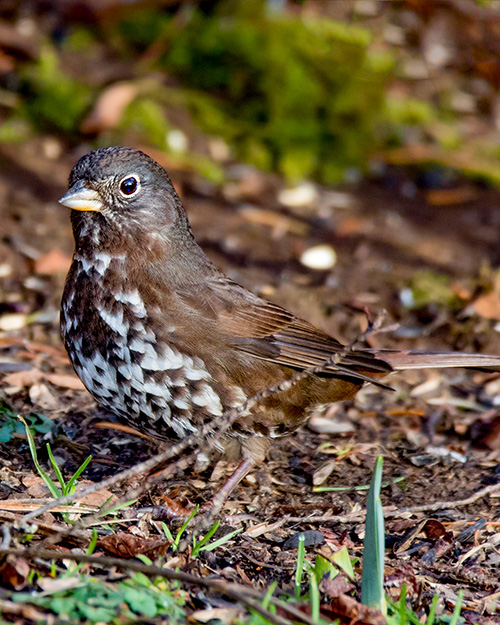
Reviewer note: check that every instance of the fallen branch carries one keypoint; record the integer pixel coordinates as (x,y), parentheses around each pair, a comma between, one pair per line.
(235,591)
(390,512)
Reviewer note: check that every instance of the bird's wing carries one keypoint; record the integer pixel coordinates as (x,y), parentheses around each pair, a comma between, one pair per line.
(265,330)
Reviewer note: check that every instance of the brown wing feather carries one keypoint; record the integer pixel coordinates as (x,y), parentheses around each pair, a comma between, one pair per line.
(267,331)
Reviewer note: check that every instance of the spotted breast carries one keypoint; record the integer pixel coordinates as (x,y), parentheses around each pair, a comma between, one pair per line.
(128,369)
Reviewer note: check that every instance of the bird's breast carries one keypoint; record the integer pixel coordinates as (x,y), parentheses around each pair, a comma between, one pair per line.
(126,351)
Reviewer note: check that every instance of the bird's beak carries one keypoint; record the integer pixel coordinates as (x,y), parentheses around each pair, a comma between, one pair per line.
(81,198)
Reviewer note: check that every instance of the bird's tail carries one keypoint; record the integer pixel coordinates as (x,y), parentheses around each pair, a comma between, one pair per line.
(414,359)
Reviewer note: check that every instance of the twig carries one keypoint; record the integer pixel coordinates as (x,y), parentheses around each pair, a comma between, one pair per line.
(390,512)
(235,591)
(5,544)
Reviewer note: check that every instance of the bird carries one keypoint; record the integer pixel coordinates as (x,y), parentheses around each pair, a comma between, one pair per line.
(168,343)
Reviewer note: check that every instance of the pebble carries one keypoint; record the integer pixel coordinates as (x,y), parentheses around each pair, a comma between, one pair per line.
(311,537)
(177,141)
(302,195)
(13,321)
(5,270)
(320,257)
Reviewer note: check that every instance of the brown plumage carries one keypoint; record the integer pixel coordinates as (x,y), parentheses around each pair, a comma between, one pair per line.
(163,339)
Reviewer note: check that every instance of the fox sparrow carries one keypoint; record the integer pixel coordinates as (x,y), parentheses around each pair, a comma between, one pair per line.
(163,339)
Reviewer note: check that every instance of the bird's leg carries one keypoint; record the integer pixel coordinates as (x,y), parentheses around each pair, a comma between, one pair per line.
(212,507)
(219,499)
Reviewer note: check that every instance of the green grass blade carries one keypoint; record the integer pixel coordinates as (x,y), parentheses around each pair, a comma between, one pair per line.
(71,485)
(166,531)
(432,611)
(57,470)
(269,594)
(372,580)
(314,598)
(54,490)
(300,565)
(197,546)
(220,541)
(458,606)
(402,606)
(179,534)
(93,543)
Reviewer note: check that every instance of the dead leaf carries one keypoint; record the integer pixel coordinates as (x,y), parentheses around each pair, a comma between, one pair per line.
(126,545)
(50,585)
(35,486)
(53,263)
(14,572)
(110,107)
(41,396)
(264,528)
(35,376)
(404,574)
(434,529)
(444,197)
(353,611)
(487,306)
(65,380)
(223,615)
(335,587)
(98,498)
(120,427)
(28,505)
(23,378)
(324,472)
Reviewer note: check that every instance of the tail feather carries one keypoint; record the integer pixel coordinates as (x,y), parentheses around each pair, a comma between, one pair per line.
(413,359)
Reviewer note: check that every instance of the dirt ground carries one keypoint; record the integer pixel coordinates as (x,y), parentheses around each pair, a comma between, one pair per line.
(439,433)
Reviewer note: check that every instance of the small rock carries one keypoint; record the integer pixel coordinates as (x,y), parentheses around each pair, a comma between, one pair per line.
(219,149)
(177,141)
(13,321)
(5,270)
(324,425)
(303,195)
(311,538)
(321,257)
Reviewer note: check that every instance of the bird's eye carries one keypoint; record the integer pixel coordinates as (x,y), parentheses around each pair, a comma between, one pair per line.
(129,185)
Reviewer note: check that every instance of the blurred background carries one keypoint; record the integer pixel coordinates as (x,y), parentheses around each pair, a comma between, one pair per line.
(333,156)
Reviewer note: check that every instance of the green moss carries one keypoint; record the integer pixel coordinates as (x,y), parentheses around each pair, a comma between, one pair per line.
(14,130)
(301,96)
(147,117)
(51,100)
(429,287)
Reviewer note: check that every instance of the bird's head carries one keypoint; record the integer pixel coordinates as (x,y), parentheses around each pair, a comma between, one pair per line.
(124,191)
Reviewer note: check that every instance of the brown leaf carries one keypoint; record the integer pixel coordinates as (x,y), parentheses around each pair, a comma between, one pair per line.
(23,378)
(35,486)
(14,572)
(352,611)
(41,396)
(335,587)
(434,529)
(222,615)
(404,574)
(126,545)
(53,263)
(444,197)
(35,376)
(487,306)
(110,107)
(98,498)
(65,380)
